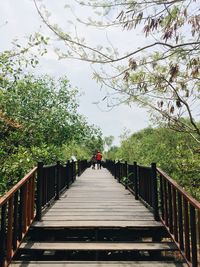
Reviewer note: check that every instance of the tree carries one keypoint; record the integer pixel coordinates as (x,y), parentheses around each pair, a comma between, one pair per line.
(16,61)
(111,153)
(108,140)
(41,105)
(46,110)
(162,75)
(173,152)
(14,64)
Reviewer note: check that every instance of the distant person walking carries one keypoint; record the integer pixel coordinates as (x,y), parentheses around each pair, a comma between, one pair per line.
(93,161)
(99,158)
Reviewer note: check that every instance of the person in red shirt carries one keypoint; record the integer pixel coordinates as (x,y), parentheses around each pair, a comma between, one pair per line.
(99,158)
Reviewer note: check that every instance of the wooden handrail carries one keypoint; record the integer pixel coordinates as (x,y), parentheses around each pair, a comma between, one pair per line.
(16,187)
(17,214)
(53,179)
(180,214)
(192,200)
(18,205)
(178,211)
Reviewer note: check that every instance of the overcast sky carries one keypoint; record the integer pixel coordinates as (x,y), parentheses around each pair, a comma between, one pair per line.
(22,20)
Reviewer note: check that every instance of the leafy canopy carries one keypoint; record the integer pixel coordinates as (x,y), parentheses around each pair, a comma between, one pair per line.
(161,75)
(172,151)
(40,121)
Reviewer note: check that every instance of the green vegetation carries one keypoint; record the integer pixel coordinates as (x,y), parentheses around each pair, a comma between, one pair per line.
(39,121)
(173,152)
(38,115)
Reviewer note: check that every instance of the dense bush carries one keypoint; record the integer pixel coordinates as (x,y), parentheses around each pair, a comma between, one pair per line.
(39,121)
(174,152)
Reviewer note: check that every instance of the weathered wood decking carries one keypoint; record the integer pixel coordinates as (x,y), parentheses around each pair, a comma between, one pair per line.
(94,202)
(99,264)
(97,200)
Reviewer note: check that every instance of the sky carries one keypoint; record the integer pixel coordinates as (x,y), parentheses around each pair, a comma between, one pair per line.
(18,19)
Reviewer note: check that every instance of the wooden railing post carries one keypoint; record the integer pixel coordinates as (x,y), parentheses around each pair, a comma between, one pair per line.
(16,222)
(180,221)
(73,170)
(9,250)
(3,235)
(25,207)
(154,191)
(193,236)
(118,171)
(136,180)
(126,174)
(58,180)
(78,167)
(39,192)
(69,172)
(115,169)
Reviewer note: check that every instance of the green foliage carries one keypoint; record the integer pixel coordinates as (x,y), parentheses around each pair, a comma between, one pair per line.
(80,152)
(125,180)
(14,62)
(111,154)
(38,107)
(172,151)
(39,121)
(108,140)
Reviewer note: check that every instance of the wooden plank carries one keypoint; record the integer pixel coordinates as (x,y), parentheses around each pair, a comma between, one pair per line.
(98,224)
(97,202)
(109,209)
(96,205)
(97,218)
(109,195)
(97,264)
(97,199)
(100,201)
(96,212)
(84,193)
(168,246)
(85,209)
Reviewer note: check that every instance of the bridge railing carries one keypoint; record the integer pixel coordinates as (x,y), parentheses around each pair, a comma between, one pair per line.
(180,213)
(25,201)
(52,180)
(16,215)
(140,180)
(177,210)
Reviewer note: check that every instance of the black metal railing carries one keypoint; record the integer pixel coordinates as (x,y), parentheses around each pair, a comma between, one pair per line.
(144,184)
(52,180)
(140,180)
(178,211)
(20,205)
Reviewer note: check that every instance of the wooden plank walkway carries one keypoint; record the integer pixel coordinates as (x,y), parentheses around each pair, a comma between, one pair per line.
(97,200)
(99,246)
(98,264)
(110,228)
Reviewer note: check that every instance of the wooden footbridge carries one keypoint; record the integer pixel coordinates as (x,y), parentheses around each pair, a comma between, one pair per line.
(122,215)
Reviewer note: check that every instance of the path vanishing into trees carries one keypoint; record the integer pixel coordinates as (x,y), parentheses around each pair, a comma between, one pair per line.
(92,218)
